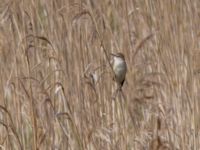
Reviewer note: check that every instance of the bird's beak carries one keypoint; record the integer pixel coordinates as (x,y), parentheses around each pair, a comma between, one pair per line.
(112,54)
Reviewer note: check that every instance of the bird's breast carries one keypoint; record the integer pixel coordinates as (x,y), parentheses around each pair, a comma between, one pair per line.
(120,69)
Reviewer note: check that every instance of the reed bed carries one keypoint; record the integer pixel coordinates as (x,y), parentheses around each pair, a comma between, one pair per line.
(56,83)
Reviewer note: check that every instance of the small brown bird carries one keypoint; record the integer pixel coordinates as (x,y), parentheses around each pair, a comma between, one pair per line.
(119,68)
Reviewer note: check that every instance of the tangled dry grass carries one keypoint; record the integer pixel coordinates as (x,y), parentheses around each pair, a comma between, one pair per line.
(56,86)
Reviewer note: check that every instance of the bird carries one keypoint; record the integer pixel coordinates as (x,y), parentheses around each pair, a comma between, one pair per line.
(119,68)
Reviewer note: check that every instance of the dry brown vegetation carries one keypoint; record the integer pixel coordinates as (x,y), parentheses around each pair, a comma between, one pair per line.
(56,91)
